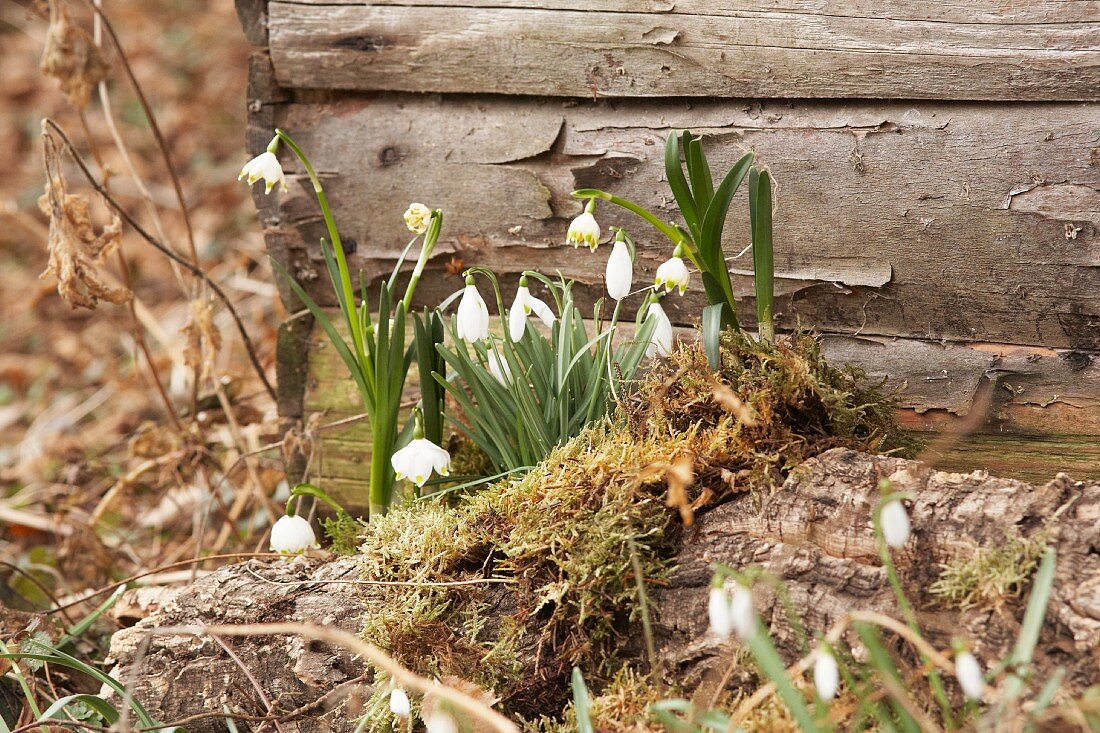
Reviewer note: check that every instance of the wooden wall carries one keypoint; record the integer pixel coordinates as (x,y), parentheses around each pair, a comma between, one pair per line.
(938,167)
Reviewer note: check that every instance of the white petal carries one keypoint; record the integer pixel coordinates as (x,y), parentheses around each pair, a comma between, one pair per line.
(584,230)
(472,318)
(498,366)
(969,673)
(440,722)
(661,342)
(540,309)
(399,703)
(718,609)
(292,534)
(418,459)
(620,272)
(742,613)
(895,524)
(517,317)
(826,674)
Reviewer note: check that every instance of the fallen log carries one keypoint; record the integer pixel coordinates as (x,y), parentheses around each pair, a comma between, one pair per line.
(814,534)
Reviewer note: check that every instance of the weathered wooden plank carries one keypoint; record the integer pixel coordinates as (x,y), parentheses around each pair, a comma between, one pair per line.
(541,48)
(995,12)
(1044,416)
(964,222)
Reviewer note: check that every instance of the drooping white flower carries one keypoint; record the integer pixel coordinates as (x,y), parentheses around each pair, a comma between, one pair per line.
(265,166)
(673,273)
(417,218)
(472,319)
(742,613)
(718,609)
(418,459)
(440,722)
(498,366)
(620,271)
(661,341)
(399,703)
(826,674)
(584,229)
(523,306)
(292,534)
(895,524)
(969,673)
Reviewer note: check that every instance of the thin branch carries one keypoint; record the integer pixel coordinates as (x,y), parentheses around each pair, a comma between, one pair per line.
(193,269)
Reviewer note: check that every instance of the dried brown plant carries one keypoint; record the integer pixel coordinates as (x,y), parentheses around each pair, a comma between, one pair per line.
(71,57)
(76,251)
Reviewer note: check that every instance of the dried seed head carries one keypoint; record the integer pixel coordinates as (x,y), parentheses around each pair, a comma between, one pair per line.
(76,251)
(71,57)
(203,339)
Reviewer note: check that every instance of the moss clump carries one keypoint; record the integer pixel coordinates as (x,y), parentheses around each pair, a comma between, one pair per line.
(560,537)
(990,576)
(622,706)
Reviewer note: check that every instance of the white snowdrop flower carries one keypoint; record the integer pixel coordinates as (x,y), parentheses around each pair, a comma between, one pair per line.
(661,341)
(417,218)
(292,534)
(620,271)
(440,722)
(895,524)
(826,674)
(673,273)
(498,366)
(718,608)
(523,306)
(584,229)
(265,166)
(418,459)
(472,319)
(742,613)
(399,703)
(969,672)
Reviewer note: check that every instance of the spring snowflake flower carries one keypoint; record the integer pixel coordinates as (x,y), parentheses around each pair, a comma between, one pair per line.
(620,271)
(585,229)
(969,673)
(741,612)
(292,534)
(660,343)
(399,703)
(673,273)
(418,459)
(895,524)
(417,218)
(826,674)
(718,609)
(523,306)
(440,722)
(472,319)
(265,166)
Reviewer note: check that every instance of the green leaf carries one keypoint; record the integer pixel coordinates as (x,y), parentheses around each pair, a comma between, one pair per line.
(763,255)
(1032,625)
(104,709)
(581,703)
(712,334)
(702,185)
(678,183)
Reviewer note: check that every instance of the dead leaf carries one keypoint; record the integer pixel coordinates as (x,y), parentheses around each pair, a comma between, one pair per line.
(71,57)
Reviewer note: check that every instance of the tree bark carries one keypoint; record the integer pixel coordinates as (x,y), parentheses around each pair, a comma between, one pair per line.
(814,534)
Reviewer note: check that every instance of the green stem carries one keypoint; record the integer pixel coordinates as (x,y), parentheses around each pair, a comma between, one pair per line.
(909,614)
(669,231)
(430,238)
(334,237)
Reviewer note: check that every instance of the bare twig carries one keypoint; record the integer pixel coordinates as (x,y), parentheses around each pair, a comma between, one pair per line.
(247,673)
(196,271)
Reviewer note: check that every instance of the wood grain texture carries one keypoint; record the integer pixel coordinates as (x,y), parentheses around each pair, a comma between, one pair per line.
(619,48)
(962,222)
(1044,417)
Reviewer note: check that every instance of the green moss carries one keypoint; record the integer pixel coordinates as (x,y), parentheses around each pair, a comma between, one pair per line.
(343,532)
(560,535)
(990,576)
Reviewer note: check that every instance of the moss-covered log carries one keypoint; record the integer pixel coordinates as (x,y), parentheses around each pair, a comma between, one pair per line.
(814,534)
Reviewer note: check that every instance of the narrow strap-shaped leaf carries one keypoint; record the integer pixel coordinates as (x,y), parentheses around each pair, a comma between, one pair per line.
(702,185)
(763,254)
(714,220)
(712,334)
(103,708)
(581,703)
(674,172)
